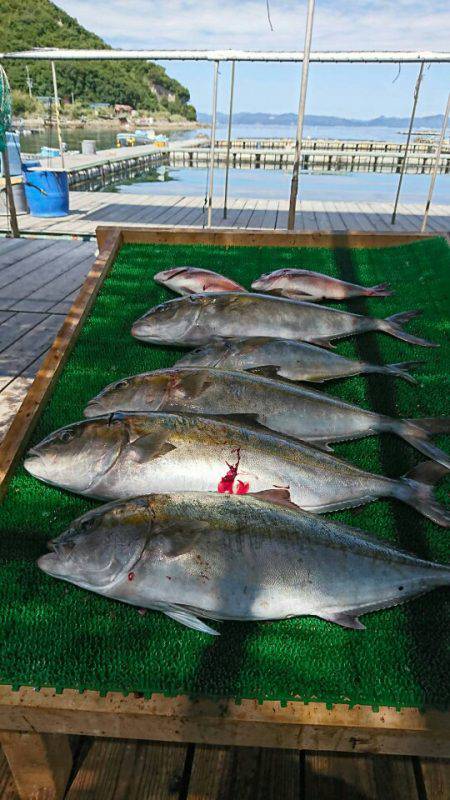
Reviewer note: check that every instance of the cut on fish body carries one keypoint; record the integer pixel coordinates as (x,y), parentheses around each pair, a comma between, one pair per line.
(123,455)
(193,280)
(287,358)
(308,285)
(197,555)
(298,411)
(202,318)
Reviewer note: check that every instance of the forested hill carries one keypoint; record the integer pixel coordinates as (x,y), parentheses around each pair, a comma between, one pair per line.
(39,23)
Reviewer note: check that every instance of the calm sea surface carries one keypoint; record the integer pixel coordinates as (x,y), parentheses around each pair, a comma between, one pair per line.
(272,184)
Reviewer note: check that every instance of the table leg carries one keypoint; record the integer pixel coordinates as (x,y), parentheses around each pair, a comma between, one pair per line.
(40,763)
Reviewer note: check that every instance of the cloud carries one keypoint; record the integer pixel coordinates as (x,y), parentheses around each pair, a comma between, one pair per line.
(201,24)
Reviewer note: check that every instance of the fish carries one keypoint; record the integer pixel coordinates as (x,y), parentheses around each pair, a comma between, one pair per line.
(289,359)
(123,455)
(201,556)
(200,318)
(192,280)
(298,411)
(304,284)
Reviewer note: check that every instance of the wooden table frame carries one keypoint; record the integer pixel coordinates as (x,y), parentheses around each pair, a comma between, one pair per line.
(34,724)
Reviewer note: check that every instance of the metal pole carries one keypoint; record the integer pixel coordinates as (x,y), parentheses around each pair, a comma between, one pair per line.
(227,165)
(301,116)
(58,126)
(437,157)
(9,195)
(408,139)
(213,144)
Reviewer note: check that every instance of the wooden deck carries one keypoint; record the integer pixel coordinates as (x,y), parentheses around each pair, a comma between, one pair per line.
(38,282)
(118,769)
(38,279)
(89,209)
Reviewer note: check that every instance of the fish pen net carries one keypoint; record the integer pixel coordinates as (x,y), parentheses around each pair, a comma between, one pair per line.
(5,108)
(58,635)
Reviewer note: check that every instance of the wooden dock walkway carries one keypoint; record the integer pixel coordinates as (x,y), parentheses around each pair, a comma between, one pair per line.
(89,209)
(38,280)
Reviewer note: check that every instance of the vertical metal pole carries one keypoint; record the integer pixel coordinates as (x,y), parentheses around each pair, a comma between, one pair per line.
(58,125)
(230,117)
(408,139)
(301,116)
(9,195)
(437,157)
(213,144)
(29,81)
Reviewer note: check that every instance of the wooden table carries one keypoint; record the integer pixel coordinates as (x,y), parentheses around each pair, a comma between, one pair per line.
(35,724)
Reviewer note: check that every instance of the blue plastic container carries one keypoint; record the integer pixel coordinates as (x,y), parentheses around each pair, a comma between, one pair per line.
(47,192)
(14,159)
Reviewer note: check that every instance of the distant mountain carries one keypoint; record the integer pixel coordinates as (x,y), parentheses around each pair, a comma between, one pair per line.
(40,23)
(247,118)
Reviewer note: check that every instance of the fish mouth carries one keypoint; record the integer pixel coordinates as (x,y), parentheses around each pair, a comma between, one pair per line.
(49,562)
(169,273)
(138,330)
(34,463)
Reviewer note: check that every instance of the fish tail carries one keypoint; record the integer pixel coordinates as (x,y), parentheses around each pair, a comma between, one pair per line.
(416,489)
(417,433)
(393,326)
(380,290)
(400,370)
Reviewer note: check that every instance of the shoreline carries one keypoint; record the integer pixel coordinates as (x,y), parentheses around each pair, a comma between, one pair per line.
(38,124)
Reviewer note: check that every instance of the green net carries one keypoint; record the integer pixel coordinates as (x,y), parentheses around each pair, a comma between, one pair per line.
(5,107)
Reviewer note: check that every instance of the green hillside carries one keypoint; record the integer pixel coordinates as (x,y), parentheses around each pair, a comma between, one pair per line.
(39,23)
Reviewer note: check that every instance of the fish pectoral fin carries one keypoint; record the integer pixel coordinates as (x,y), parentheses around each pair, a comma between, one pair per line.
(281,497)
(179,537)
(347,619)
(322,343)
(179,614)
(150,446)
(319,444)
(193,384)
(297,296)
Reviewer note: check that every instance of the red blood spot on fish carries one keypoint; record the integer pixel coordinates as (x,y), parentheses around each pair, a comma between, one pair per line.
(142,611)
(131,576)
(226,483)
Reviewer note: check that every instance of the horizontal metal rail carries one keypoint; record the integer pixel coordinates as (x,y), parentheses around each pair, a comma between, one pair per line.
(352,56)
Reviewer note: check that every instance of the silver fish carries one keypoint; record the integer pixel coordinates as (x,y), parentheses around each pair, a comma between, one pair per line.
(305,414)
(287,358)
(304,284)
(192,280)
(124,455)
(199,318)
(235,558)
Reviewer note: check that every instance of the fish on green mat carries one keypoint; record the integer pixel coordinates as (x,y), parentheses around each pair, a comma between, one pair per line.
(194,556)
(304,284)
(305,414)
(123,455)
(191,280)
(288,358)
(199,318)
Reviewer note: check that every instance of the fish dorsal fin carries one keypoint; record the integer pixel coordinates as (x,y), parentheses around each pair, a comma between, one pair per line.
(280,496)
(179,614)
(347,619)
(150,446)
(192,384)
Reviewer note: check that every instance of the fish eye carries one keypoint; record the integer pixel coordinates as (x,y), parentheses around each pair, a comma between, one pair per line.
(87,524)
(121,384)
(67,435)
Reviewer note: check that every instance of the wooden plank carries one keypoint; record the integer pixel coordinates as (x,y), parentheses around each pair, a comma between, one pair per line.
(51,292)
(11,396)
(278,238)
(26,349)
(40,763)
(41,259)
(17,326)
(8,790)
(344,776)
(16,439)
(433,778)
(120,770)
(269,724)
(26,248)
(246,773)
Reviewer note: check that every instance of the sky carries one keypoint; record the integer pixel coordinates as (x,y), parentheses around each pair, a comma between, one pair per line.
(362,91)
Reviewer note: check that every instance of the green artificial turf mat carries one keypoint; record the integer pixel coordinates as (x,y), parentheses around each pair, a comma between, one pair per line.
(55,634)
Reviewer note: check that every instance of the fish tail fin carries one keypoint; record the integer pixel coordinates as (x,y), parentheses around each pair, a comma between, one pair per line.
(417,433)
(380,290)
(400,370)
(416,489)
(393,326)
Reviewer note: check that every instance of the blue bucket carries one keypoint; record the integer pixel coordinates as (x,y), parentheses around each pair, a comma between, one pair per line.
(47,192)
